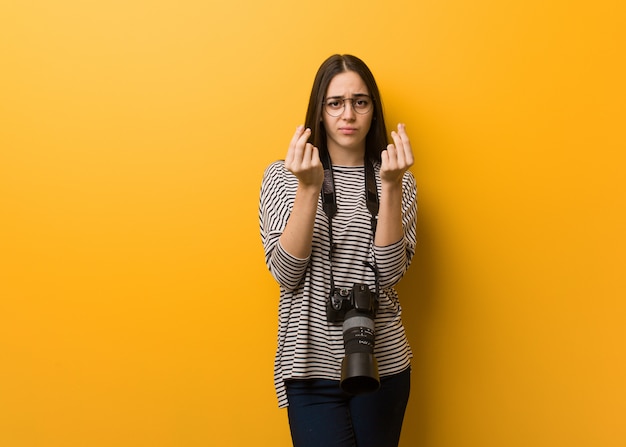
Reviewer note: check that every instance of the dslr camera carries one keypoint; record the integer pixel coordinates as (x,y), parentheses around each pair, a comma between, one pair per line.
(357,308)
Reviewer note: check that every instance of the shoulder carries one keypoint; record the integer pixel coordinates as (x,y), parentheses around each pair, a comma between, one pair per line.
(275,172)
(276,177)
(275,168)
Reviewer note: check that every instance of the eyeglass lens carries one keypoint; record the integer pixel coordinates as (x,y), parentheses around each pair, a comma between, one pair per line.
(361,104)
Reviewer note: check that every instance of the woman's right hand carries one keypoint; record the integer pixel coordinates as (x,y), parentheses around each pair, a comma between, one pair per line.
(303,160)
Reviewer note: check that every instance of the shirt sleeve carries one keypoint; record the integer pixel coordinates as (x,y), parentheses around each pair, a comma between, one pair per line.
(276,203)
(394,260)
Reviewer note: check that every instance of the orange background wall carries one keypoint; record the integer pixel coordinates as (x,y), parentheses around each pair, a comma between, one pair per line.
(135,306)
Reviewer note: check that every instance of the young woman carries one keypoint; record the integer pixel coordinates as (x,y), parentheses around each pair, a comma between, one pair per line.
(321,240)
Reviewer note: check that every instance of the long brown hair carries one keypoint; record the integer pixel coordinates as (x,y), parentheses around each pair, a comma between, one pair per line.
(376,139)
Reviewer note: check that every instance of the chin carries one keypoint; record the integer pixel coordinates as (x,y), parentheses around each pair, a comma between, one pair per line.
(350,141)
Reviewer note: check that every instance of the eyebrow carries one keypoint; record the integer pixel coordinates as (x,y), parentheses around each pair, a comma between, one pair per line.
(356,95)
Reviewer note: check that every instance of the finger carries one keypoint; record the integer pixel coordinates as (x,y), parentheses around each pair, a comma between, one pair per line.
(300,147)
(292,145)
(384,160)
(392,157)
(399,149)
(301,144)
(297,135)
(304,137)
(307,155)
(315,156)
(406,144)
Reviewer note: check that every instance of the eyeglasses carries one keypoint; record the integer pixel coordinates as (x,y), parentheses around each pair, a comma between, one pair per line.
(361,104)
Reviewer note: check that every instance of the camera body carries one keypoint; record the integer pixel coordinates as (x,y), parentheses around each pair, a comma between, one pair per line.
(359,298)
(357,308)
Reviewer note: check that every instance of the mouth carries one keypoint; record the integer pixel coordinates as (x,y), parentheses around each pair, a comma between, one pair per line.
(347,130)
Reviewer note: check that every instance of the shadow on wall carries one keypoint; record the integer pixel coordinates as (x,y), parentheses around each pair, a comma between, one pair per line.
(417,292)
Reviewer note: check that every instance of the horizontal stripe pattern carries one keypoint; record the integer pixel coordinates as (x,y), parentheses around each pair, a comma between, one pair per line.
(309,346)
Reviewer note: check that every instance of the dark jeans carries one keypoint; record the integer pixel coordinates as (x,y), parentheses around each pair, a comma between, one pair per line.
(322,415)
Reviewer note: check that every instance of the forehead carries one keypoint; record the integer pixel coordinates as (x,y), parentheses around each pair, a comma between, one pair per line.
(346,84)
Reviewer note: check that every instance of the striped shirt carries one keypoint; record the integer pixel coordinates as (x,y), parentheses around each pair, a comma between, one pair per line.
(308,345)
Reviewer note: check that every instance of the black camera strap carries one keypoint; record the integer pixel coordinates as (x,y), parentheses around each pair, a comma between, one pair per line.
(329,205)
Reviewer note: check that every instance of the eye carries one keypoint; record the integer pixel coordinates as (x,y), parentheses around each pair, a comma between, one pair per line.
(362,103)
(334,104)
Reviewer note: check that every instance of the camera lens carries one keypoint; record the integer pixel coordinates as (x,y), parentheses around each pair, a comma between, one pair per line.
(359,370)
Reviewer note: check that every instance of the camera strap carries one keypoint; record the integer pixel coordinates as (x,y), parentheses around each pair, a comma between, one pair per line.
(329,205)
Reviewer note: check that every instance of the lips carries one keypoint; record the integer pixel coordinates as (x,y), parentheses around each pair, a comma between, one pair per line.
(347,130)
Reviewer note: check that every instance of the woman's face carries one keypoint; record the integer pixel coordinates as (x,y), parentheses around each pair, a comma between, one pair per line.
(347,131)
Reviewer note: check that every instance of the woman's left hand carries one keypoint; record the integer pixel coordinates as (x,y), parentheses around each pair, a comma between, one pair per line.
(397,158)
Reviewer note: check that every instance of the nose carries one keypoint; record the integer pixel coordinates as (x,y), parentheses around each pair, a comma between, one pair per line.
(348,109)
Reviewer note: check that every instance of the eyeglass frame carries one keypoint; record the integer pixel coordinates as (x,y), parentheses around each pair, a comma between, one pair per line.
(343,104)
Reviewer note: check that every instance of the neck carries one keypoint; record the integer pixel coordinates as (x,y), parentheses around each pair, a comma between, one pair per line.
(344,157)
